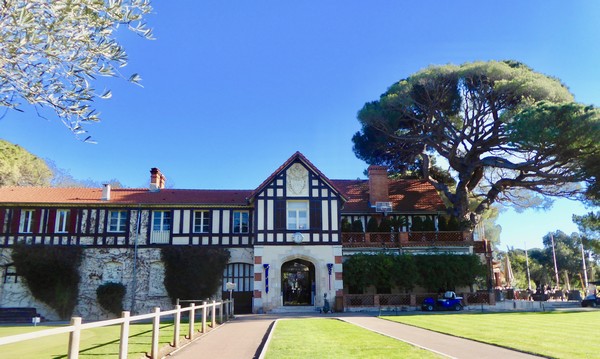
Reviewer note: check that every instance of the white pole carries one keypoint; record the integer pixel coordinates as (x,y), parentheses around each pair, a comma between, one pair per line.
(527,265)
(585,277)
(554,256)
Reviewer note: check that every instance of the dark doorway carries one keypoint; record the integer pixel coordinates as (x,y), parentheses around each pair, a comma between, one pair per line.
(242,275)
(298,282)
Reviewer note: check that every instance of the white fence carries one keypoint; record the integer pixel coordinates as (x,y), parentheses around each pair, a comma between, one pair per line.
(76,327)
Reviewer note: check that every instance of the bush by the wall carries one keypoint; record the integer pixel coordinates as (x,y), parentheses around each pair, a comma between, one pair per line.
(357,226)
(372,225)
(110,297)
(51,273)
(193,272)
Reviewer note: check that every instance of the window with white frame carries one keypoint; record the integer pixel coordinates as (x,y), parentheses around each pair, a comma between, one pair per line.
(117,221)
(62,221)
(201,221)
(26,224)
(297,215)
(240,221)
(161,221)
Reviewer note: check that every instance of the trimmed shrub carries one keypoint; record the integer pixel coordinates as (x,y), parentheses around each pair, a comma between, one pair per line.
(110,297)
(51,273)
(357,226)
(372,225)
(346,226)
(385,225)
(193,272)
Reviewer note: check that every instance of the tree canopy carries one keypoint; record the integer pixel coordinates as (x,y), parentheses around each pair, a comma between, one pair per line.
(18,167)
(50,50)
(501,127)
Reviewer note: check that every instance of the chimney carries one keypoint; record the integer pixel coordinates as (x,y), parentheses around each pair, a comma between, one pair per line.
(106,192)
(378,184)
(157,180)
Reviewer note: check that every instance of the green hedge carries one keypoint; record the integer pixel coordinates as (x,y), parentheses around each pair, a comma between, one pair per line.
(433,272)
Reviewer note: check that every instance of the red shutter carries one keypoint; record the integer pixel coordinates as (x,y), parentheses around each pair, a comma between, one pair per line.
(51,220)
(37,220)
(73,220)
(16,219)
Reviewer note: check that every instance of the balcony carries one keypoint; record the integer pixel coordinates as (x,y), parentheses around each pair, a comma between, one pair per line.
(412,239)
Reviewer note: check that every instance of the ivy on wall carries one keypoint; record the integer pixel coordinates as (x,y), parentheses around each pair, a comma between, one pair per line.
(110,297)
(51,273)
(193,272)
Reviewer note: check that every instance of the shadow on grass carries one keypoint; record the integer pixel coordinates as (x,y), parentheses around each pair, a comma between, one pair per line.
(116,341)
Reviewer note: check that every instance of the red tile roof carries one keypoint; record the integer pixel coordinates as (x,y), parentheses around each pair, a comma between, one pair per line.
(405,195)
(51,195)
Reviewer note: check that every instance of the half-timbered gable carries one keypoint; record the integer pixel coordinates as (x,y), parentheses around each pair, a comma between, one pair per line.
(297,204)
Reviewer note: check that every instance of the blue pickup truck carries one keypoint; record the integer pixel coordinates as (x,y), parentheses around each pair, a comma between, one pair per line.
(449,301)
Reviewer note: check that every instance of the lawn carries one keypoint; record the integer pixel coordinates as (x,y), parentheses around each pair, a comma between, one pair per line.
(95,343)
(551,334)
(331,338)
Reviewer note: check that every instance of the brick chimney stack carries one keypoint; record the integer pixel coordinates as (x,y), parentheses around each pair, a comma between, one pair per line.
(157,180)
(378,184)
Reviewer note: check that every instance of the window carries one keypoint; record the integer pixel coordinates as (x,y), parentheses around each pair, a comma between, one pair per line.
(62,221)
(241,274)
(117,221)
(297,215)
(161,221)
(26,224)
(240,222)
(201,221)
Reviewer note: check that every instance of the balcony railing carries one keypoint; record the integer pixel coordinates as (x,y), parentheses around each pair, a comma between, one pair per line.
(411,239)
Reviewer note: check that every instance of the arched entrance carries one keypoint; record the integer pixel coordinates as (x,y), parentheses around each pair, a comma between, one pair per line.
(298,282)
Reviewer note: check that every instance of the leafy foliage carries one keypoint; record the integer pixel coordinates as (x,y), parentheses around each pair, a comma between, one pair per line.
(193,272)
(52,49)
(357,226)
(18,167)
(372,225)
(51,273)
(434,272)
(500,126)
(110,297)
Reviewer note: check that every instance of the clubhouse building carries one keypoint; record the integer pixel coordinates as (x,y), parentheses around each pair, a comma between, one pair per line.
(285,237)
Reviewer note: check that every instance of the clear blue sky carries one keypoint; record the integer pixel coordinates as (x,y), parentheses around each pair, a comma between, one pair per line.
(233,88)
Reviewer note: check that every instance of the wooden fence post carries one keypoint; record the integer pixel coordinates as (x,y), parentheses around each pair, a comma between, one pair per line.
(232,312)
(204,305)
(74,337)
(214,314)
(155,333)
(221,312)
(226,307)
(124,342)
(192,321)
(176,329)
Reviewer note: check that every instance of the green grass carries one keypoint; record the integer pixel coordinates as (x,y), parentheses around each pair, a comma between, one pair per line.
(551,334)
(331,338)
(95,343)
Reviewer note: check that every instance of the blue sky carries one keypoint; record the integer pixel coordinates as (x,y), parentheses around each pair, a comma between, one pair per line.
(233,88)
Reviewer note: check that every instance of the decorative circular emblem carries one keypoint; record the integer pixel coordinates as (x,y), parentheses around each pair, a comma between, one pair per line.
(298,237)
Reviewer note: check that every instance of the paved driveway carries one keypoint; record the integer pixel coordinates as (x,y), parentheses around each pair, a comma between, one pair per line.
(244,337)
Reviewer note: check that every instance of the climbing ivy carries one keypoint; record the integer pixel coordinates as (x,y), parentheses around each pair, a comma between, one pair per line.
(51,273)
(193,272)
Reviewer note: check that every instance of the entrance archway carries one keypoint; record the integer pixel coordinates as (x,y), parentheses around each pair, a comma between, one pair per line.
(298,282)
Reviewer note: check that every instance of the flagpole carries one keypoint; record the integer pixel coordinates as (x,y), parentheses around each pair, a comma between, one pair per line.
(555,266)
(585,277)
(527,265)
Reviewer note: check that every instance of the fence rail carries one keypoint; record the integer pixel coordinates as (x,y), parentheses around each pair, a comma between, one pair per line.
(77,326)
